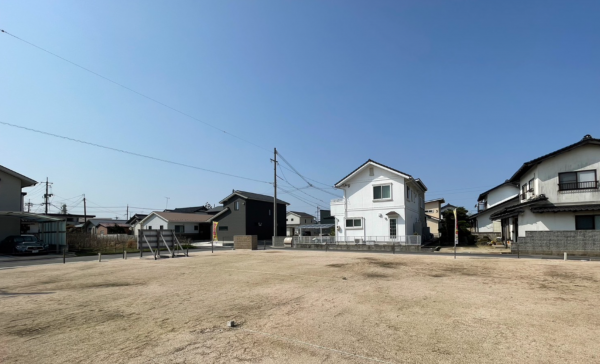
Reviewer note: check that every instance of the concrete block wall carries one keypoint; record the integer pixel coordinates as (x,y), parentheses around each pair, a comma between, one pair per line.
(574,242)
(361,247)
(245,242)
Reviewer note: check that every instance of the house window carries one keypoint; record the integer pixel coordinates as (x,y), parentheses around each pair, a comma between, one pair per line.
(354,223)
(223,228)
(371,171)
(587,222)
(270,214)
(382,192)
(149,227)
(577,180)
(524,192)
(179,229)
(236,205)
(161,227)
(305,221)
(195,227)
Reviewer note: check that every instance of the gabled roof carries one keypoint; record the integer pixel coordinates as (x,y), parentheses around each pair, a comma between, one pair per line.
(505,183)
(441,200)
(25,181)
(215,210)
(497,206)
(97,222)
(301,214)
(448,206)
(252,196)
(180,217)
(213,217)
(136,217)
(372,162)
(526,166)
(189,210)
(516,209)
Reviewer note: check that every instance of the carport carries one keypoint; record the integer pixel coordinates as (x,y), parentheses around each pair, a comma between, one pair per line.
(319,227)
(53,230)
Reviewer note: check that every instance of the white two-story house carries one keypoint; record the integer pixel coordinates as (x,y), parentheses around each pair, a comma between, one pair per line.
(557,192)
(491,201)
(380,204)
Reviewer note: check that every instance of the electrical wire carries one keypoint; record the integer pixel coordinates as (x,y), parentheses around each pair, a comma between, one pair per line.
(131,153)
(134,91)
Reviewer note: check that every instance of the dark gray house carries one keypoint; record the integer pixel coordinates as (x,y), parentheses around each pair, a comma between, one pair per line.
(247,213)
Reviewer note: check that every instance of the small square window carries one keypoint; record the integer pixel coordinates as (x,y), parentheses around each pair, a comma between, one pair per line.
(236,205)
(196,227)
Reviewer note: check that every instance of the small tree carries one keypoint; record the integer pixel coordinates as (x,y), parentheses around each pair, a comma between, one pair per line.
(447,226)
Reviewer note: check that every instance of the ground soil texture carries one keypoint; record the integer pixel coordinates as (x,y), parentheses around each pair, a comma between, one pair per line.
(393,308)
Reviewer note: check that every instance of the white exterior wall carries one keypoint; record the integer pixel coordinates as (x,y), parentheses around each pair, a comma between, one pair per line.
(546,182)
(580,159)
(360,204)
(501,194)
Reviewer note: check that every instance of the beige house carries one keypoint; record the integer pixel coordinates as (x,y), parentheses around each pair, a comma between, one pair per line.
(433,214)
(11,200)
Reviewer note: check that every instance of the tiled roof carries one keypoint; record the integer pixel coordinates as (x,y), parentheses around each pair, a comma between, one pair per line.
(183,217)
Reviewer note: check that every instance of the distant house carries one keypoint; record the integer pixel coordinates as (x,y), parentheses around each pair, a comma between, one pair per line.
(215,210)
(11,200)
(295,219)
(433,215)
(325,217)
(136,218)
(491,201)
(447,207)
(247,213)
(92,226)
(379,202)
(192,225)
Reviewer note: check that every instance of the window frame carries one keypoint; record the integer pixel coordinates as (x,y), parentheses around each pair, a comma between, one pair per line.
(236,206)
(223,228)
(530,186)
(353,227)
(595,181)
(381,185)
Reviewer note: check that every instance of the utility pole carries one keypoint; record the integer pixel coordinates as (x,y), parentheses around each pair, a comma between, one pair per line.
(84,210)
(318,217)
(47,196)
(127,211)
(29,204)
(275,193)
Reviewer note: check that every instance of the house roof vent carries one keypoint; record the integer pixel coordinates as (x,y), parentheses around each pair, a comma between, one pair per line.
(587,136)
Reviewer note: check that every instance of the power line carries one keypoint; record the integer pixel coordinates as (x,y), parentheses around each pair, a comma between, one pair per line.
(130,153)
(304,178)
(132,90)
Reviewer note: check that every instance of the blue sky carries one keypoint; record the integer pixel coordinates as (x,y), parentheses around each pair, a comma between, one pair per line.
(457,93)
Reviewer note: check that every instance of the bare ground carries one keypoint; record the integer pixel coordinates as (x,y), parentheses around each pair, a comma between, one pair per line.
(393,308)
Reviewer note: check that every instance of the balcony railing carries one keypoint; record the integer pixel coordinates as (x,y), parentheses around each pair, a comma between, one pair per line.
(568,186)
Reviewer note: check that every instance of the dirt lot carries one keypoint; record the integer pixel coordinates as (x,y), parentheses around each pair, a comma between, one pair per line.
(393,308)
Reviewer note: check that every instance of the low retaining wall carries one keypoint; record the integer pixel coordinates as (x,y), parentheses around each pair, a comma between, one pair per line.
(576,242)
(491,235)
(245,242)
(361,247)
